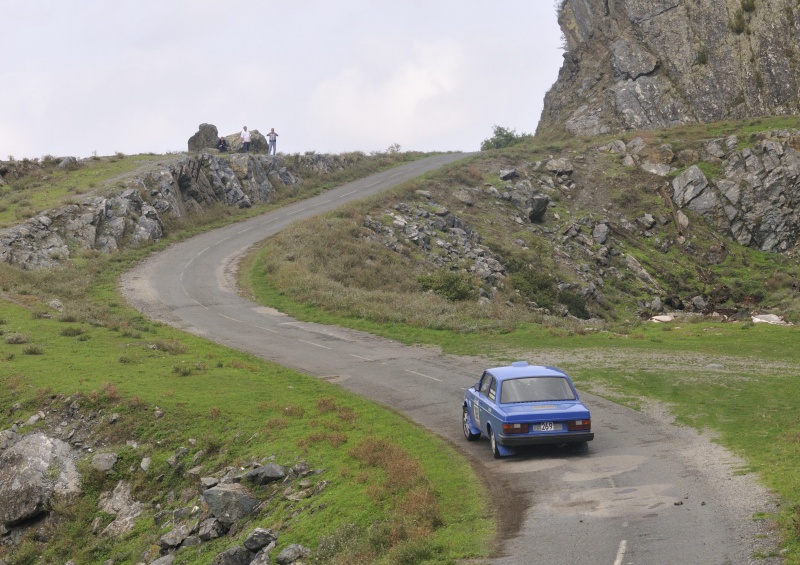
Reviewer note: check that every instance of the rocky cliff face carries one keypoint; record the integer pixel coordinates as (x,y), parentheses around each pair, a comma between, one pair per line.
(649,64)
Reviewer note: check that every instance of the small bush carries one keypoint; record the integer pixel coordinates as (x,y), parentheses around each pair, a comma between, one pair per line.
(326,404)
(334,439)
(536,286)
(575,303)
(111,392)
(33,350)
(171,346)
(449,285)
(182,370)
(503,138)
(213,445)
(16,339)
(779,280)
(749,5)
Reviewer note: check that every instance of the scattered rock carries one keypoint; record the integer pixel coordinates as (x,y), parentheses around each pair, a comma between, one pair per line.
(260,538)
(291,554)
(230,502)
(121,504)
(266,474)
(662,318)
(769,319)
(104,461)
(234,556)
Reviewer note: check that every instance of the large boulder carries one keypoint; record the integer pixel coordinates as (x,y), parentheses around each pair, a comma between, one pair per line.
(206,137)
(33,472)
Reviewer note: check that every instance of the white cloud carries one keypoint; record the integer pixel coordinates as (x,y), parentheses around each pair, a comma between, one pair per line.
(394,98)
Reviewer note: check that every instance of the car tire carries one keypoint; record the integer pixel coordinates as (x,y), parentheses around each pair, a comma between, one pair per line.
(493,443)
(579,448)
(466,427)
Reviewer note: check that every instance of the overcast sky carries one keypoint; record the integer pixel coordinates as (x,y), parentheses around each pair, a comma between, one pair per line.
(80,77)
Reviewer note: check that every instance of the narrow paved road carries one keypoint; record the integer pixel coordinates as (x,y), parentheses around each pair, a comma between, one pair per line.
(642,495)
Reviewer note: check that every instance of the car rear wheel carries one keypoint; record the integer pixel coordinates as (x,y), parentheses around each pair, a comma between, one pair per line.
(493,443)
(465,425)
(579,448)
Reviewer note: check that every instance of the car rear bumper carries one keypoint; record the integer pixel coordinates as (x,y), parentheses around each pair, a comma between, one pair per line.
(545,439)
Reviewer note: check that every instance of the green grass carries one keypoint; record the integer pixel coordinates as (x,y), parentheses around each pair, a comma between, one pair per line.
(228,400)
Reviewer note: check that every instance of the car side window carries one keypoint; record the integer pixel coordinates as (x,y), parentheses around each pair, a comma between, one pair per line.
(485,381)
(492,389)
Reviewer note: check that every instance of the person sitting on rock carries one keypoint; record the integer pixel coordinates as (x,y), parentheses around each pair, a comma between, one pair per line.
(222,144)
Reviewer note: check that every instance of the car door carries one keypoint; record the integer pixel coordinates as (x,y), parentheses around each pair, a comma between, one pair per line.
(484,400)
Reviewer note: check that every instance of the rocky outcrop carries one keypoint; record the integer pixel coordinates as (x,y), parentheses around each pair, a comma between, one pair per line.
(135,214)
(646,64)
(207,136)
(756,201)
(134,211)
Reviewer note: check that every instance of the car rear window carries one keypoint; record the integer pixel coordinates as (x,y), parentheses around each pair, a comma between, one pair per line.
(534,389)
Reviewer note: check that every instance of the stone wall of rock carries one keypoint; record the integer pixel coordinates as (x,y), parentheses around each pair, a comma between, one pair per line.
(134,214)
(756,199)
(647,64)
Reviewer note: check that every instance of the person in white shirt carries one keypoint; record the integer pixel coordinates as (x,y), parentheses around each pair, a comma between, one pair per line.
(245,135)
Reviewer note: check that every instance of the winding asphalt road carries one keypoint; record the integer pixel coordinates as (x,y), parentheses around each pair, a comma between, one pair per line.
(641,495)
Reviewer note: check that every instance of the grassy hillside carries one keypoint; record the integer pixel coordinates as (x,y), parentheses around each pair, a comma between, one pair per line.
(388,492)
(371,278)
(737,380)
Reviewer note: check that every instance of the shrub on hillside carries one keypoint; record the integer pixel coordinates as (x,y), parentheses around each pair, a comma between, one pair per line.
(503,138)
(449,285)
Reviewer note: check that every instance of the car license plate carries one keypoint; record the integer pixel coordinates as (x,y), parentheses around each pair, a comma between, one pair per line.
(547,427)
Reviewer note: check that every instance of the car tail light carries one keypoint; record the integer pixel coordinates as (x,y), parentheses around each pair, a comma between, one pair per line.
(579,425)
(510,429)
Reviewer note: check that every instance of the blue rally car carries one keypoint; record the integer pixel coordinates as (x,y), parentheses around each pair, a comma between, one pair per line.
(525,405)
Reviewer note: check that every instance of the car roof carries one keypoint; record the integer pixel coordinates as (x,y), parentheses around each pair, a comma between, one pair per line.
(523,369)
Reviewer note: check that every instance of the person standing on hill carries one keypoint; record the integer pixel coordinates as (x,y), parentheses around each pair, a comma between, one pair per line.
(245,135)
(273,139)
